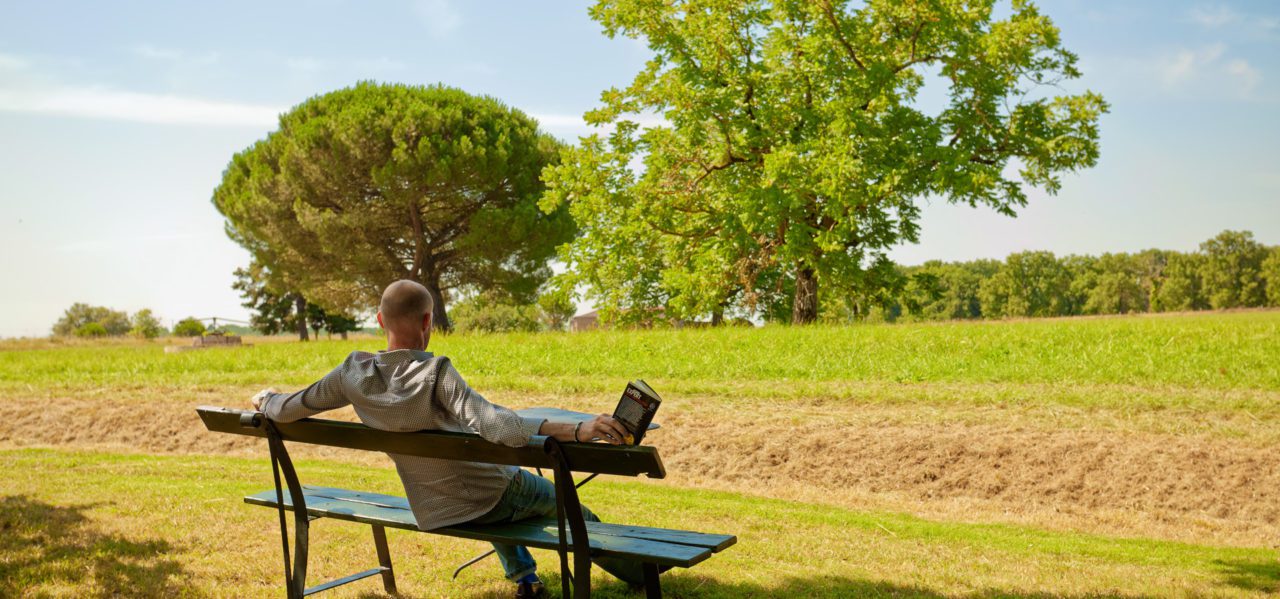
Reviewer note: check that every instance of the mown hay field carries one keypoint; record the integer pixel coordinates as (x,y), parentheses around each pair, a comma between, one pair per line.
(1124,456)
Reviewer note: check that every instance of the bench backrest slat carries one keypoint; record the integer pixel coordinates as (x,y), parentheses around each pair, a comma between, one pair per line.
(582,457)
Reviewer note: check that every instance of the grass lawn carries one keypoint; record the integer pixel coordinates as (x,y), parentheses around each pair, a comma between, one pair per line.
(1231,351)
(81,523)
(1118,456)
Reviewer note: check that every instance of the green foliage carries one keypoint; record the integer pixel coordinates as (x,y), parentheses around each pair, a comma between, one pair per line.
(948,291)
(272,312)
(556,308)
(491,313)
(1232,270)
(1028,284)
(794,148)
(1271,273)
(91,329)
(1114,285)
(1207,350)
(146,325)
(1180,288)
(318,318)
(188,327)
(114,322)
(374,183)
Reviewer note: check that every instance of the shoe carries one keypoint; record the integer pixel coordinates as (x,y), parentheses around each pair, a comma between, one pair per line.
(530,590)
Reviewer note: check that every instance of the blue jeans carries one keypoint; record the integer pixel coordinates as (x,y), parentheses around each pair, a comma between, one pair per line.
(530,496)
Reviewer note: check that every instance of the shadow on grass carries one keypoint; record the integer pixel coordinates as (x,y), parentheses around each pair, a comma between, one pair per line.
(56,549)
(818,586)
(1252,576)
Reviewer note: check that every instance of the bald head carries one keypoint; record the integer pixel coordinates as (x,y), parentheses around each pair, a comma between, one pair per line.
(404,304)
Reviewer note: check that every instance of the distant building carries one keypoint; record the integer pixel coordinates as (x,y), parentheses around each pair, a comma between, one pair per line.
(585,322)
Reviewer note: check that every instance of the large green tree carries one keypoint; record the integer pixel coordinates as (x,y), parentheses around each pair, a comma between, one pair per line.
(1180,286)
(374,183)
(1028,284)
(1232,270)
(1271,274)
(113,322)
(272,311)
(145,324)
(1114,284)
(795,146)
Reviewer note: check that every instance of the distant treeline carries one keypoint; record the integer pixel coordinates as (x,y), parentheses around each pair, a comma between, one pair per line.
(1232,270)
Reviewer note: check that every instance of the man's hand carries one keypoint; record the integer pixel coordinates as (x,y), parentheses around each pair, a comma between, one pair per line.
(603,428)
(261,397)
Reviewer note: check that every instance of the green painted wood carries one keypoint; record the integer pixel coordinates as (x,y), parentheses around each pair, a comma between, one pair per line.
(546,537)
(714,542)
(343,510)
(605,539)
(393,501)
(582,457)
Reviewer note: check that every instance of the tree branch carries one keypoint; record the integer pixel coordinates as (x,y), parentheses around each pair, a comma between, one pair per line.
(829,12)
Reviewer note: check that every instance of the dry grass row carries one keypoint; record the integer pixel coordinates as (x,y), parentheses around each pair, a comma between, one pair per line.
(971,464)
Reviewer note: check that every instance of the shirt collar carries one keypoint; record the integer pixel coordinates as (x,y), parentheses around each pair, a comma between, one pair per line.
(400,355)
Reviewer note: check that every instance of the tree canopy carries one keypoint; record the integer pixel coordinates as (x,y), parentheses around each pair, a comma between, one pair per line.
(79,315)
(189,327)
(1230,267)
(795,147)
(374,183)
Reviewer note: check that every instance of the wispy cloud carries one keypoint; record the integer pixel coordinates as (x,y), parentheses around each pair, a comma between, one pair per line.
(1208,68)
(105,103)
(1213,16)
(1185,64)
(440,16)
(1245,74)
(23,90)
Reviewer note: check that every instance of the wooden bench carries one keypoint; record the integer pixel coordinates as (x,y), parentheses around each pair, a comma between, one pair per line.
(658,549)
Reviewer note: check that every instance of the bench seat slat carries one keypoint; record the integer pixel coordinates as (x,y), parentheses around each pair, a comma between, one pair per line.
(633,542)
(394,501)
(715,542)
(343,510)
(533,534)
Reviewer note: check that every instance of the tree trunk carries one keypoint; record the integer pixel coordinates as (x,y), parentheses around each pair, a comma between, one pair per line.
(439,317)
(344,335)
(804,305)
(717,317)
(300,313)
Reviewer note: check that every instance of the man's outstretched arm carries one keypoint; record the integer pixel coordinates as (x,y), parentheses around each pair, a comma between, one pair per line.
(327,393)
(501,425)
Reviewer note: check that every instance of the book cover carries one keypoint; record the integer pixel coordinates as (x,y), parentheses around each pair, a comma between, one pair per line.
(636,409)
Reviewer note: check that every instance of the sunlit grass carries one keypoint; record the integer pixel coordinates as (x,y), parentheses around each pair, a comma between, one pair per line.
(1212,350)
(141,526)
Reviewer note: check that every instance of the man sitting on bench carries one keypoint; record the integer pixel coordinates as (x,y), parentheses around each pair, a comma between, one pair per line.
(406,388)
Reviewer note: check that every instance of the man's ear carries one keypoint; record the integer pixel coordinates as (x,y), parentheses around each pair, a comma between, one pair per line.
(380,323)
(426,322)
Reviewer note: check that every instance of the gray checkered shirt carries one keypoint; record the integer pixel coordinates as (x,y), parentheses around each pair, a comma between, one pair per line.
(408,390)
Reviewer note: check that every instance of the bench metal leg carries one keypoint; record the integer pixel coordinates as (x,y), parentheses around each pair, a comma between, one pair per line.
(652,586)
(384,558)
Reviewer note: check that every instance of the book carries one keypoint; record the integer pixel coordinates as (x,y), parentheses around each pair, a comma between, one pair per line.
(636,409)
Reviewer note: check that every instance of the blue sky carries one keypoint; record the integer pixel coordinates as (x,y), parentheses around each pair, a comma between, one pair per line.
(117,119)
